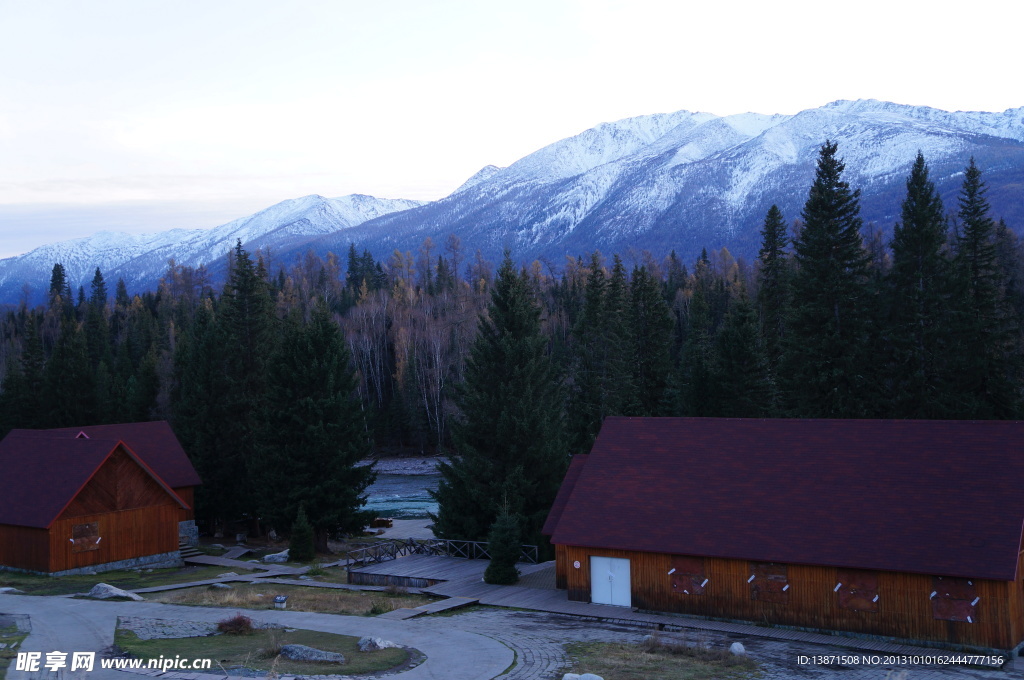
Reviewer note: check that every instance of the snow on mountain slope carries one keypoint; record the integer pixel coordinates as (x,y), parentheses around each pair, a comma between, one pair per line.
(686,180)
(142,259)
(682,181)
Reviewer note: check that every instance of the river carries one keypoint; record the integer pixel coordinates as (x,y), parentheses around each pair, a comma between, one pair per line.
(402,496)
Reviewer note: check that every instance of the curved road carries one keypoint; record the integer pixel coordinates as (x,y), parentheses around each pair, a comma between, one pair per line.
(71,625)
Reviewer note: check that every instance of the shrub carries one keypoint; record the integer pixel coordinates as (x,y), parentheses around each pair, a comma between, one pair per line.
(504,545)
(239,624)
(379,605)
(301,548)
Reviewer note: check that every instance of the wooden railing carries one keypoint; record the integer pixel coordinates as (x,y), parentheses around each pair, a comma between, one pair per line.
(472,550)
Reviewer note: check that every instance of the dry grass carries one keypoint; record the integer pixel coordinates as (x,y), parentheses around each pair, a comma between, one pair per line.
(307,599)
(661,658)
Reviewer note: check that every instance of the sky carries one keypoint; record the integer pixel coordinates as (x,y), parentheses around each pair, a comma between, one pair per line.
(144,116)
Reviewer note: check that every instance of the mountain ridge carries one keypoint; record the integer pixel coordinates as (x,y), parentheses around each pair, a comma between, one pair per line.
(683,180)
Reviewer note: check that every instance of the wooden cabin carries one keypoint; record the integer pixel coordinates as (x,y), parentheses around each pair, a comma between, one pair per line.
(82,498)
(894,529)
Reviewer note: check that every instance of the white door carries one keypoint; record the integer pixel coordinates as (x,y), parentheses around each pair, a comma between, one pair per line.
(609,581)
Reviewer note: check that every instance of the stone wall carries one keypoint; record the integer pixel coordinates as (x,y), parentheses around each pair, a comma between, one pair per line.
(188,532)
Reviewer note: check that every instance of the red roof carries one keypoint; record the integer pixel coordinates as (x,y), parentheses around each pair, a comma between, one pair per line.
(43,474)
(154,442)
(931,497)
(564,491)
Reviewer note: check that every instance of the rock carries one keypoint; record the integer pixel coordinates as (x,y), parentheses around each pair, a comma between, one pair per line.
(253,561)
(218,546)
(372,644)
(105,591)
(647,640)
(737,649)
(89,572)
(220,586)
(277,557)
(10,591)
(590,676)
(305,578)
(304,653)
(226,574)
(272,535)
(571,676)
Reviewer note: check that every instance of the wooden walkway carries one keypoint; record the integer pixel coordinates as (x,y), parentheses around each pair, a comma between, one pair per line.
(238,564)
(430,608)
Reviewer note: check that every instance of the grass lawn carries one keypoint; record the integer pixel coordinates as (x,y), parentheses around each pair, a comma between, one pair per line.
(259,651)
(658,661)
(9,635)
(306,599)
(36,584)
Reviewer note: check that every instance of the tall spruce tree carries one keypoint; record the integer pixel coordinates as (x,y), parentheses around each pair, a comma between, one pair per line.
(602,352)
(984,383)
(741,373)
(918,290)
(651,325)
(773,284)
(827,343)
(246,330)
(314,432)
(510,440)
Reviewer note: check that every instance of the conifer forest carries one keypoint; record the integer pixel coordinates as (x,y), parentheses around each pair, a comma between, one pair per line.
(279,380)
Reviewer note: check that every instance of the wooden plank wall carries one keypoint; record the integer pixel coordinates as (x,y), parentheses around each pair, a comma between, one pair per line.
(904,606)
(24,547)
(124,535)
(187,494)
(119,485)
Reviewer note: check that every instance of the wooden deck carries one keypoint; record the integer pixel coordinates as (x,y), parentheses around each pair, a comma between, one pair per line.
(418,571)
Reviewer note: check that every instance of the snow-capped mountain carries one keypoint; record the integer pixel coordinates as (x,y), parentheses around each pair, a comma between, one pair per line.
(142,259)
(681,181)
(688,180)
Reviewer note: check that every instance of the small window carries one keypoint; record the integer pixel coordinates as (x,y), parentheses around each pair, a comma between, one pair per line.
(688,576)
(954,599)
(857,590)
(769,582)
(85,537)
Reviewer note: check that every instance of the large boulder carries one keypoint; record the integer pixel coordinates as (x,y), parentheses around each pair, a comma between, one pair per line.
(304,653)
(738,649)
(372,644)
(105,591)
(277,557)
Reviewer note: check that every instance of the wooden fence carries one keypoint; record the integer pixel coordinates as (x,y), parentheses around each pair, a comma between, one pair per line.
(471,550)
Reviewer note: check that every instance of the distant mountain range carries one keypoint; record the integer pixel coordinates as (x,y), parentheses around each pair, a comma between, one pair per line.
(679,181)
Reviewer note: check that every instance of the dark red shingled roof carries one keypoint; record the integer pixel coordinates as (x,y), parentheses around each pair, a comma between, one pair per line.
(43,474)
(931,497)
(154,442)
(564,491)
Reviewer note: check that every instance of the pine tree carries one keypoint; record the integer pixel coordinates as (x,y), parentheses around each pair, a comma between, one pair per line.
(300,545)
(918,287)
(602,353)
(68,378)
(314,435)
(773,284)
(510,441)
(982,334)
(504,544)
(650,322)
(827,344)
(742,375)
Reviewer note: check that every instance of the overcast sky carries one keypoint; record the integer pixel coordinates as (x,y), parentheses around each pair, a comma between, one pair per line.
(142,116)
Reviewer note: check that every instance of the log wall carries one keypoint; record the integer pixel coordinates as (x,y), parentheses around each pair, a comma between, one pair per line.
(24,547)
(123,535)
(905,608)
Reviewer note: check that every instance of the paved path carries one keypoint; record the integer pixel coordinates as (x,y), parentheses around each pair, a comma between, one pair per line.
(66,624)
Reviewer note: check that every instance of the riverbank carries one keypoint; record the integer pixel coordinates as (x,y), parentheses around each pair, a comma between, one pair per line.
(406,466)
